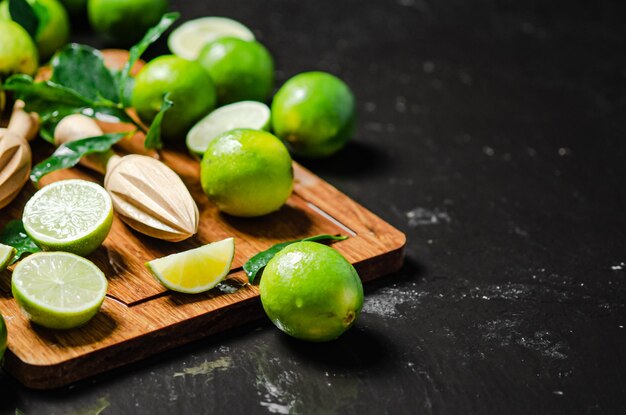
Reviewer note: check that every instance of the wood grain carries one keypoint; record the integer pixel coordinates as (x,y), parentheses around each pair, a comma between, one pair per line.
(139,317)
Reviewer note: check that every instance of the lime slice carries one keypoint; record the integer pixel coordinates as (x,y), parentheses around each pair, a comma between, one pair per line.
(6,255)
(69,215)
(58,290)
(246,114)
(196,270)
(187,40)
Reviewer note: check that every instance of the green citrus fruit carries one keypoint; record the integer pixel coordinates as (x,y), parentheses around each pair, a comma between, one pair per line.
(311,292)
(3,337)
(247,172)
(196,270)
(188,85)
(58,290)
(54,25)
(18,53)
(189,38)
(314,114)
(125,21)
(69,215)
(245,114)
(6,256)
(242,70)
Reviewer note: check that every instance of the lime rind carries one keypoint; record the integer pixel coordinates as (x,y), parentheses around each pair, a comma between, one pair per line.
(196,270)
(187,40)
(69,215)
(6,255)
(245,114)
(58,290)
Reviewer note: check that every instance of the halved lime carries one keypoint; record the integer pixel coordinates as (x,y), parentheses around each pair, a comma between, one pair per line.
(58,290)
(196,270)
(6,255)
(246,114)
(187,40)
(69,215)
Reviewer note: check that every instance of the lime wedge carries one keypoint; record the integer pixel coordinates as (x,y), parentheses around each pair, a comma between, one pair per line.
(69,215)
(187,40)
(196,270)
(6,255)
(245,114)
(58,290)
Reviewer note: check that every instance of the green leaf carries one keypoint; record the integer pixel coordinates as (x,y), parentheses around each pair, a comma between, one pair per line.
(81,68)
(260,260)
(43,96)
(22,13)
(14,235)
(69,154)
(149,38)
(153,138)
(53,102)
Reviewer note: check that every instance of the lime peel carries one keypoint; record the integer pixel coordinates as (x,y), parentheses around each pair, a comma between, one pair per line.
(58,290)
(6,255)
(245,114)
(196,270)
(187,40)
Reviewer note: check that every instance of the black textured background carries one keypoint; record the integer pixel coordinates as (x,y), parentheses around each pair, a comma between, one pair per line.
(493,134)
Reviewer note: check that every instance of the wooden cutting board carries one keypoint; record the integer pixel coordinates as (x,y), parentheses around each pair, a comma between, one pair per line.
(139,317)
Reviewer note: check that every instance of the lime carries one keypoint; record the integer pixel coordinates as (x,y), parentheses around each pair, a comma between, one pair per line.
(314,114)
(196,270)
(58,290)
(18,53)
(6,255)
(245,114)
(311,292)
(54,25)
(125,21)
(242,70)
(187,40)
(247,172)
(188,85)
(69,215)
(3,337)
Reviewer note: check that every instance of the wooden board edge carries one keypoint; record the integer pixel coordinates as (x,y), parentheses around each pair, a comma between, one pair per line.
(185,331)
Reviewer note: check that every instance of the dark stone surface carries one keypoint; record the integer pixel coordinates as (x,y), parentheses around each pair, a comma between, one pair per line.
(493,134)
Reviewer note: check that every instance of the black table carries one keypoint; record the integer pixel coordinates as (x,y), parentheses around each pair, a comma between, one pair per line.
(493,134)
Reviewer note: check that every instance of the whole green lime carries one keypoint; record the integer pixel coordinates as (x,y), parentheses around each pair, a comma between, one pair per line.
(242,70)
(314,113)
(125,21)
(247,172)
(3,337)
(18,53)
(188,85)
(311,292)
(54,28)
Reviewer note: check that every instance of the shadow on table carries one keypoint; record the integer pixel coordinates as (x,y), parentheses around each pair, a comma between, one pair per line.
(356,159)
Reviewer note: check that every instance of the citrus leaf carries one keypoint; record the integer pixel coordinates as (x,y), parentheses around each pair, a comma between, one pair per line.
(81,68)
(153,138)
(14,235)
(260,260)
(69,154)
(149,38)
(22,13)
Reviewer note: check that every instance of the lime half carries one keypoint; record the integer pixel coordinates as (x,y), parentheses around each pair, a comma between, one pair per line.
(69,215)
(246,114)
(196,270)
(58,290)
(6,255)
(187,40)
